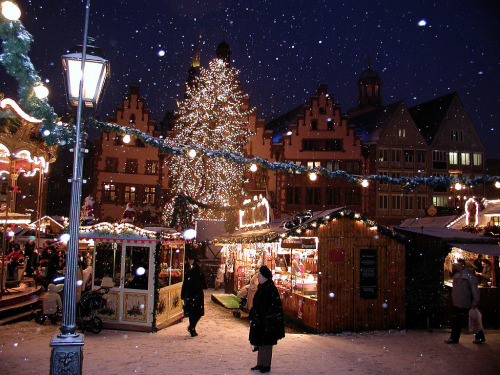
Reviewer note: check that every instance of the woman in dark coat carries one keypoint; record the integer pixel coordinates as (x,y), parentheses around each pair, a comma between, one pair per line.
(192,294)
(267,324)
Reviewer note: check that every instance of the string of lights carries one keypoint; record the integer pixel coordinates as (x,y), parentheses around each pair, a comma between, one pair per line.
(16,42)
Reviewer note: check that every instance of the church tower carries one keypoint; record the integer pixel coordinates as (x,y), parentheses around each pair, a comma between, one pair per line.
(369,83)
(223,52)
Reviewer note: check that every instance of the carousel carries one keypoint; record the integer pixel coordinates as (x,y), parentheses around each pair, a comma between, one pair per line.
(23,153)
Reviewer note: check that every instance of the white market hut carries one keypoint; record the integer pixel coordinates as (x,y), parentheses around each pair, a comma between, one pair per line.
(144,270)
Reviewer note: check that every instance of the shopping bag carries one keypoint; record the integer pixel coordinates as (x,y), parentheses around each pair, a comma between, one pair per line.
(475,320)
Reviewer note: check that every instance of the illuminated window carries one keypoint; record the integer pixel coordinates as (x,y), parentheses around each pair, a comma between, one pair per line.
(439,201)
(109,193)
(465,158)
(130,193)
(402,133)
(149,195)
(313,164)
(151,167)
(477,159)
(453,158)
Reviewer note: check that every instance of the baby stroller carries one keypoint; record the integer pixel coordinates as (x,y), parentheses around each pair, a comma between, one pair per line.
(242,295)
(90,302)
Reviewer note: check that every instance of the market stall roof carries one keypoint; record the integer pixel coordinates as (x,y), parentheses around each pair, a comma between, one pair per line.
(33,224)
(14,218)
(457,238)
(123,232)
(276,228)
(431,221)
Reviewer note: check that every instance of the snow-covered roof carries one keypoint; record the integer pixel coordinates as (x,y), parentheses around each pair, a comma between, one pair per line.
(431,221)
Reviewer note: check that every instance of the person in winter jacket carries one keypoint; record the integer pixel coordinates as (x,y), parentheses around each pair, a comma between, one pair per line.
(52,302)
(267,324)
(192,294)
(465,295)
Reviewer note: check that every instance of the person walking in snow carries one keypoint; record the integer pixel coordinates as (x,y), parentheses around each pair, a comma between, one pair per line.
(192,294)
(267,324)
(465,295)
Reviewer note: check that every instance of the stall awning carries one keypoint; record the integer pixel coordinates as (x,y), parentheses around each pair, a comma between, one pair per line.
(477,248)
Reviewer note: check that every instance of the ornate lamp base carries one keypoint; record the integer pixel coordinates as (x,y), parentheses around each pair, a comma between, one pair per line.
(67,354)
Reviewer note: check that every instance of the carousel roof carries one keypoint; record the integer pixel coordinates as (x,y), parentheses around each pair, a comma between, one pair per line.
(21,141)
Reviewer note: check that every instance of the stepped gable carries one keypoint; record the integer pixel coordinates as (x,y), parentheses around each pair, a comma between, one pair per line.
(428,116)
(369,125)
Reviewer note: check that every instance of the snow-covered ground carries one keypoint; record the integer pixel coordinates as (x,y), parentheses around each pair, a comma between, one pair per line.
(222,347)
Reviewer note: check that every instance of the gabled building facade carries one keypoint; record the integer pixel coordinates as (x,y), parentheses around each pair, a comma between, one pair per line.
(128,171)
(315,134)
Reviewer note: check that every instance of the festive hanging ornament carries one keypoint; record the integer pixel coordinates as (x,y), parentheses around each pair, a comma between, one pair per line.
(129,214)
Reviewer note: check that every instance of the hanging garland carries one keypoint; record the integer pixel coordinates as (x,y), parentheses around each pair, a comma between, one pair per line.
(16,45)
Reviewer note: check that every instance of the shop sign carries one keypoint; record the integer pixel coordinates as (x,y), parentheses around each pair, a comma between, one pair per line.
(257,214)
(368,273)
(310,243)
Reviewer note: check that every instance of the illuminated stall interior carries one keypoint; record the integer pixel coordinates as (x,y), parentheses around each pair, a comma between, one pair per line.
(144,271)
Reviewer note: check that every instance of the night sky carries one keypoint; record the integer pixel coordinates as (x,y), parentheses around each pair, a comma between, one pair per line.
(283,50)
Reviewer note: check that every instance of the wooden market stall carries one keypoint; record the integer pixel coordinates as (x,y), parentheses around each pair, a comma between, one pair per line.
(431,253)
(336,270)
(144,271)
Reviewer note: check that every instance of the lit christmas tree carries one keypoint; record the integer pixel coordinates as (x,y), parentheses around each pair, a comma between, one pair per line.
(212,115)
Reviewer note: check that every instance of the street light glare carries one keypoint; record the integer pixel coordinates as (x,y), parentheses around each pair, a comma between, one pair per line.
(11,11)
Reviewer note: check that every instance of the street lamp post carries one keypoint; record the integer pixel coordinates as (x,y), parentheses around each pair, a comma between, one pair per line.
(85,74)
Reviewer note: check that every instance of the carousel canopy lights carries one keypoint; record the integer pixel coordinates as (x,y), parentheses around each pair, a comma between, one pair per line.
(97,71)
(15,107)
(11,11)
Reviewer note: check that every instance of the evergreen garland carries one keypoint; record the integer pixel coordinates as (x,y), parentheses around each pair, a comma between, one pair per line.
(16,43)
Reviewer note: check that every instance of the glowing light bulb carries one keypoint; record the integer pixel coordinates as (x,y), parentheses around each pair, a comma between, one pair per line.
(253,168)
(313,176)
(41,92)
(11,11)
(365,183)
(192,153)
(126,139)
(458,186)
(497,184)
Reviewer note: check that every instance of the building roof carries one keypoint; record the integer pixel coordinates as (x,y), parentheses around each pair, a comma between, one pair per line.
(282,123)
(369,74)
(429,115)
(426,222)
(370,125)
(464,240)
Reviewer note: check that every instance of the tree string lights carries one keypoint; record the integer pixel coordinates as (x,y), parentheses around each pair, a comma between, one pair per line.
(15,47)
